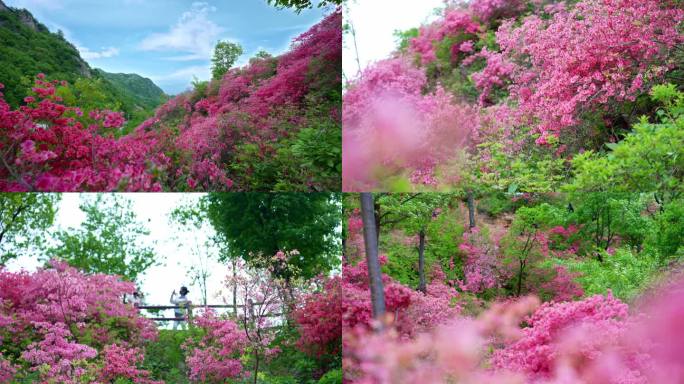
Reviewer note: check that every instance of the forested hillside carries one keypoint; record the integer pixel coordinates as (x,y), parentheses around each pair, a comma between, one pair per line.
(28,48)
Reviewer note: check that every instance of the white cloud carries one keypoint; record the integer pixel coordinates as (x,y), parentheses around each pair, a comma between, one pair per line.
(194,33)
(200,71)
(103,54)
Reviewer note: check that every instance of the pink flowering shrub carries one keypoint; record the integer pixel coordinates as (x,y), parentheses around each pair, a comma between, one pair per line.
(389,124)
(533,354)
(595,340)
(215,356)
(64,359)
(61,323)
(485,10)
(454,22)
(412,311)
(45,148)
(480,265)
(7,371)
(569,64)
(122,362)
(319,319)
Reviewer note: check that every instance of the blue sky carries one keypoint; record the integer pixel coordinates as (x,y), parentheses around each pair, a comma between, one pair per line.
(169,41)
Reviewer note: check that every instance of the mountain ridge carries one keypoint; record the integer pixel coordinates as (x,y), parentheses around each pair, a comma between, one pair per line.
(28,47)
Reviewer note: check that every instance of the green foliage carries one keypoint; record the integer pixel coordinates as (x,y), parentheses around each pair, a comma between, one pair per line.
(403,38)
(668,236)
(165,359)
(27,48)
(650,158)
(444,235)
(319,147)
(536,170)
(332,377)
(135,89)
(407,214)
(300,5)
(225,55)
(495,204)
(294,366)
(606,217)
(108,241)
(624,273)
(25,216)
(264,223)
(542,216)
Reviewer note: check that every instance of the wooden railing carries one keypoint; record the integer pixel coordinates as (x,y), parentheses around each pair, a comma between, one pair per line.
(161,307)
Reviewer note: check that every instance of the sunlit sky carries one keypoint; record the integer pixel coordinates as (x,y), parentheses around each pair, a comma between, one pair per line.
(168,41)
(174,247)
(375,22)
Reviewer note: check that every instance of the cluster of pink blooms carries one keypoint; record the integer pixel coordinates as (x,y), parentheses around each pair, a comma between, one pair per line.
(587,56)
(121,362)
(595,340)
(319,319)
(484,10)
(390,122)
(480,264)
(65,319)
(454,22)
(216,356)
(412,311)
(45,148)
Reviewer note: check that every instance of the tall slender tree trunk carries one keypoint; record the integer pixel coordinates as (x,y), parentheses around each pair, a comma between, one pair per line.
(256,365)
(421,261)
(376,216)
(521,271)
(471,210)
(371,245)
(234,262)
(204,288)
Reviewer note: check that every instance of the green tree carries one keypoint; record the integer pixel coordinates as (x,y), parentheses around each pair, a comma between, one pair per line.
(25,217)
(110,239)
(300,5)
(225,55)
(259,223)
(649,159)
(523,246)
(413,213)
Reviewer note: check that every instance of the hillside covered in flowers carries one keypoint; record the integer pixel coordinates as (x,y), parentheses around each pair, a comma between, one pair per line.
(273,124)
(531,96)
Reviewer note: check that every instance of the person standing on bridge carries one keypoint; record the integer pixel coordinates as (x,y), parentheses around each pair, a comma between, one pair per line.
(183,303)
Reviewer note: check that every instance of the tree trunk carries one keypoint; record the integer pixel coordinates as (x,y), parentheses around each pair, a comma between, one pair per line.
(256,365)
(520,277)
(204,289)
(234,262)
(421,261)
(371,245)
(376,216)
(471,210)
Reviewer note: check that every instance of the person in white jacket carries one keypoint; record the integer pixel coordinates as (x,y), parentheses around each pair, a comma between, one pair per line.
(183,303)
